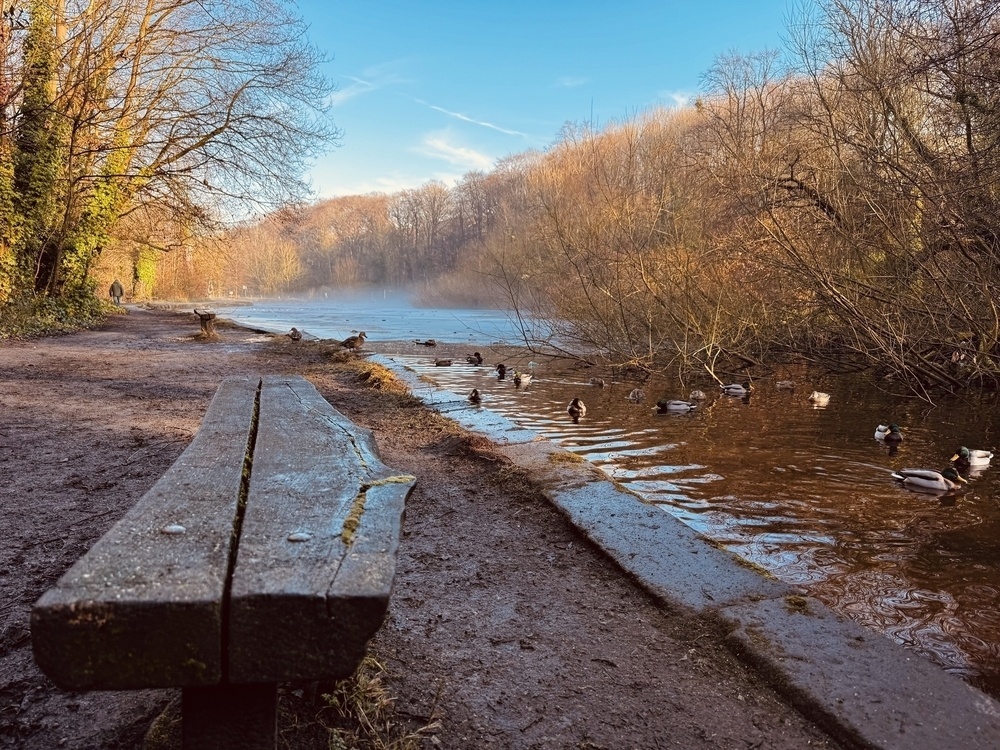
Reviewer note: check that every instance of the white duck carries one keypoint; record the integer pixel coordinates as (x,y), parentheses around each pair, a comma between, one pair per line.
(818,398)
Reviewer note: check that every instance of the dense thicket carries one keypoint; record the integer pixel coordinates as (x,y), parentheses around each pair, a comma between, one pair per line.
(134,124)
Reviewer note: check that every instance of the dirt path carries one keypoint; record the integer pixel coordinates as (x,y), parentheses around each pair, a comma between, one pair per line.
(505,627)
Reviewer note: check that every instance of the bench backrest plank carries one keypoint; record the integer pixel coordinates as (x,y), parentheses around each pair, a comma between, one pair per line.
(305,597)
(143,607)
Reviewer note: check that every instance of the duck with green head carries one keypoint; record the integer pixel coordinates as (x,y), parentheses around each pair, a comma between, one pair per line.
(968,458)
(929,480)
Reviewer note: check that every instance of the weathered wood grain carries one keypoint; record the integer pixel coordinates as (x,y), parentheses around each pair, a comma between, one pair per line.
(143,608)
(304,600)
(153,603)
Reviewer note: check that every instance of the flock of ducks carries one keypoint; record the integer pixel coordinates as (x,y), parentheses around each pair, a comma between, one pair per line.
(891,434)
(931,480)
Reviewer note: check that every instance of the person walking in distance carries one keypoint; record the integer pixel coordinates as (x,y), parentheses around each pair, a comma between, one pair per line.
(116,292)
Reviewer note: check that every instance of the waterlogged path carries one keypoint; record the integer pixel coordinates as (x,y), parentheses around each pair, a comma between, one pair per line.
(800,491)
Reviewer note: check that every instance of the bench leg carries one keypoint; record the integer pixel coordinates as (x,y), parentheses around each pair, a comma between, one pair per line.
(229,717)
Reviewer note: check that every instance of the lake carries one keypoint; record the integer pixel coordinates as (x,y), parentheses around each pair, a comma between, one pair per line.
(803,492)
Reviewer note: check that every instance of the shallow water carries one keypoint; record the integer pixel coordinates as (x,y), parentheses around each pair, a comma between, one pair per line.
(804,492)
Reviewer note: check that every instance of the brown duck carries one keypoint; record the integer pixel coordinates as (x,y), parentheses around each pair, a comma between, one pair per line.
(354,342)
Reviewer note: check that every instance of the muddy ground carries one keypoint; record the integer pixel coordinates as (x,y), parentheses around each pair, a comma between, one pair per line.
(505,630)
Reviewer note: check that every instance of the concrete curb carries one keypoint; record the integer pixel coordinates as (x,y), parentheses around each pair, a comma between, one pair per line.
(866,690)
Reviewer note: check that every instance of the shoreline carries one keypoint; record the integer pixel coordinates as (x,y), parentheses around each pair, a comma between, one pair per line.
(506,627)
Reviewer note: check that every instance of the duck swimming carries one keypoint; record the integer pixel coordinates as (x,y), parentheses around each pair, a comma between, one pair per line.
(637,395)
(475,397)
(785,385)
(697,395)
(501,371)
(930,480)
(663,406)
(576,409)
(818,398)
(597,382)
(881,431)
(474,359)
(442,363)
(894,435)
(738,389)
(966,458)
(521,379)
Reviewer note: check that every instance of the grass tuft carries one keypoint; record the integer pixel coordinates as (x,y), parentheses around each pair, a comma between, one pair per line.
(358,714)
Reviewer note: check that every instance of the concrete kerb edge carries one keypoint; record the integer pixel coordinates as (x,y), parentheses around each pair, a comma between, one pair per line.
(854,687)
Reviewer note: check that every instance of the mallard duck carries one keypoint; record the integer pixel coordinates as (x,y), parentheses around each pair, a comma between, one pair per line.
(597,382)
(894,434)
(354,342)
(818,398)
(928,479)
(295,334)
(442,363)
(475,397)
(428,342)
(521,379)
(474,359)
(576,409)
(697,395)
(738,389)
(881,431)
(664,405)
(785,385)
(966,458)
(501,371)
(636,394)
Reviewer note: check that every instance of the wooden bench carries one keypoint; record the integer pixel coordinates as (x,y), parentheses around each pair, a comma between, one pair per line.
(265,554)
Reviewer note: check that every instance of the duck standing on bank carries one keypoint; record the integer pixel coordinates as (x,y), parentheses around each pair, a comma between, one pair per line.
(354,342)
(576,409)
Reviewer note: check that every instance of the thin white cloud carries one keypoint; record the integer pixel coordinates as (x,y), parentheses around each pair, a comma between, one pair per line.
(438,146)
(357,88)
(570,82)
(372,79)
(679,99)
(466,118)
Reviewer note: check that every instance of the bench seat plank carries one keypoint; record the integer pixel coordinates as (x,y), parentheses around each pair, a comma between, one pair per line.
(143,608)
(305,601)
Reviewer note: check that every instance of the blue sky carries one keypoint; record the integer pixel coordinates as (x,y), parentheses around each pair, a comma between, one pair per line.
(431,90)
